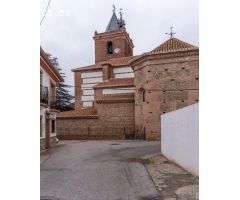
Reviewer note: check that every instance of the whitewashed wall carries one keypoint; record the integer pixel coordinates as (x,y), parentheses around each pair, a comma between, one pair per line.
(89,80)
(118,90)
(46,79)
(53,116)
(46,82)
(180,137)
(123,72)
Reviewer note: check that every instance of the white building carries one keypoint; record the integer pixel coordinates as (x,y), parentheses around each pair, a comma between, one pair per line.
(49,77)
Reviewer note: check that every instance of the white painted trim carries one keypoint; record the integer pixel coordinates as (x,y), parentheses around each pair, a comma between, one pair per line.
(91,74)
(124,75)
(88,92)
(122,70)
(88,98)
(118,90)
(87,104)
(88,86)
(92,80)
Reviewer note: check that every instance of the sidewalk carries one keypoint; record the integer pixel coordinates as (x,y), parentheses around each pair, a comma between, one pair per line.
(44,156)
(172,182)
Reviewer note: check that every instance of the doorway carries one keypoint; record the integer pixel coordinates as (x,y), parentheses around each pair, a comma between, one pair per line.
(47,133)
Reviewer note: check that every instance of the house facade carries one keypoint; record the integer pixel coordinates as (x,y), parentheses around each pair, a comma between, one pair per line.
(121,94)
(49,77)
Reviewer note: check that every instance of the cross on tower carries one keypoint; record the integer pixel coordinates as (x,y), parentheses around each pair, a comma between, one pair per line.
(114,8)
(171,32)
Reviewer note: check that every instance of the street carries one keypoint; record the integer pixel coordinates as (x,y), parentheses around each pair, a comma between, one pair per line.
(98,170)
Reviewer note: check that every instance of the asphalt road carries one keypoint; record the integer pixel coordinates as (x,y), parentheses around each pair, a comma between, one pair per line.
(98,170)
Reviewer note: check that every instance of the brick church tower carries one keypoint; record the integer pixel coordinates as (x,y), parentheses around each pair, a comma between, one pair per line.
(115,42)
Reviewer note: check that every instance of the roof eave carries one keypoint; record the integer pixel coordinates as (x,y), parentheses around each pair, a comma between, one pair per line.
(134,60)
(55,71)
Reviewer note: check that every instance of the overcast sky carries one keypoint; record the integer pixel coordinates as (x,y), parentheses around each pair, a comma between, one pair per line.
(69,26)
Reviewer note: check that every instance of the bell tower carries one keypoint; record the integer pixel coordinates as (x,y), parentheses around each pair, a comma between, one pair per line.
(115,42)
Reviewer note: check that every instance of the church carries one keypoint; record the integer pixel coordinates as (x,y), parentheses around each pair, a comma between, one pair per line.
(122,96)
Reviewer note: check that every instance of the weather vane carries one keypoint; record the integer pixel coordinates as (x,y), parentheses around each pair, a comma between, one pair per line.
(114,8)
(171,32)
(120,11)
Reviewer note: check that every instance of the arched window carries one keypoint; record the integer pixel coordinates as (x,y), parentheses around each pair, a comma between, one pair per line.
(142,91)
(109,47)
(143,95)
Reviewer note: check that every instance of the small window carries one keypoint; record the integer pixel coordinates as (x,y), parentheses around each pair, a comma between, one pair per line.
(109,47)
(41,77)
(143,95)
(41,126)
(53,126)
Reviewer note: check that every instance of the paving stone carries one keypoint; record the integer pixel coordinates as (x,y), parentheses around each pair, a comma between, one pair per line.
(188,192)
(172,181)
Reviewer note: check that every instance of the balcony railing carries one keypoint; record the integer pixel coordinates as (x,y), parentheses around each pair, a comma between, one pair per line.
(46,98)
(44,94)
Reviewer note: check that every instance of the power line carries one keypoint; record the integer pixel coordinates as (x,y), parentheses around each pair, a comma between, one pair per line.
(131,88)
(45,12)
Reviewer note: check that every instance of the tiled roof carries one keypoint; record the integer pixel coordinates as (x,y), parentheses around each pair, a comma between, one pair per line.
(44,56)
(173,44)
(113,23)
(113,62)
(79,113)
(121,82)
(90,67)
(124,97)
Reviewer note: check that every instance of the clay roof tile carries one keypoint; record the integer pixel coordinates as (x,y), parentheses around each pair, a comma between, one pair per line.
(173,44)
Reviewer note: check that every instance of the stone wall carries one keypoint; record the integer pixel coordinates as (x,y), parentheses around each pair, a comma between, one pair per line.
(169,82)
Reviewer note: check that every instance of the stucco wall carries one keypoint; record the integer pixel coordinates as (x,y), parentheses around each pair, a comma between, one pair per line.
(180,137)
(53,116)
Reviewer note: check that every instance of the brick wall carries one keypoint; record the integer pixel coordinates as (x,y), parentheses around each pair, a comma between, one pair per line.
(170,82)
(112,118)
(120,39)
